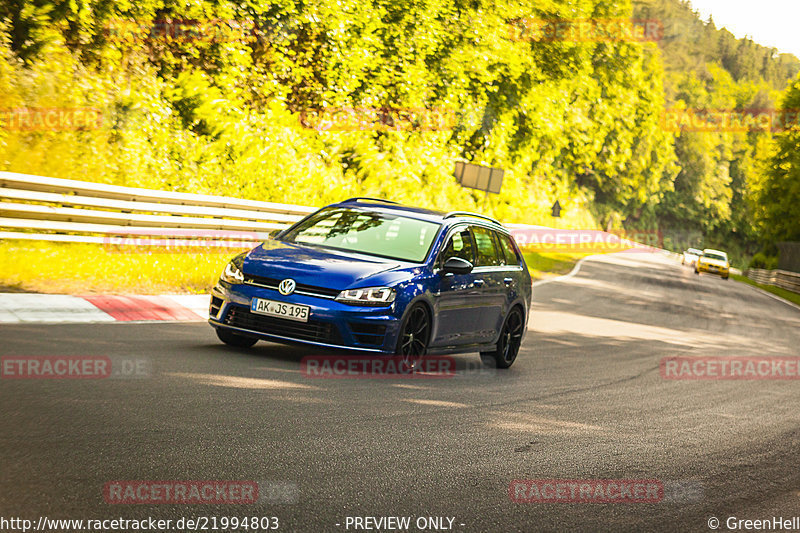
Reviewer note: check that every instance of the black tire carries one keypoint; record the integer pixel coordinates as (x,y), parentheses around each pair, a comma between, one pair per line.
(509,342)
(415,334)
(234,339)
(696,271)
(725,278)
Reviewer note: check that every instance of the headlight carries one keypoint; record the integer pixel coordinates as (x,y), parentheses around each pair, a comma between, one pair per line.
(368,296)
(232,274)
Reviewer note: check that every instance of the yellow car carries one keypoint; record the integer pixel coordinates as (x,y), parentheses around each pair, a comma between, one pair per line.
(713,262)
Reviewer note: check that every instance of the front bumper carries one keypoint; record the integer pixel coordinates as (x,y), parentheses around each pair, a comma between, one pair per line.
(331,324)
(711,269)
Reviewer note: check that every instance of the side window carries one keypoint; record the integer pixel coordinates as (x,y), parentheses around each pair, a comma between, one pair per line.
(460,245)
(501,256)
(508,249)
(486,252)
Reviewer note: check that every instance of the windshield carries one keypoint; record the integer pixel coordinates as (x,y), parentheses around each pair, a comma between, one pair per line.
(368,232)
(718,257)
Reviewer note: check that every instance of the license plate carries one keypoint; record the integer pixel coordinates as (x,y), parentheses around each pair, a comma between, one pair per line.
(280,309)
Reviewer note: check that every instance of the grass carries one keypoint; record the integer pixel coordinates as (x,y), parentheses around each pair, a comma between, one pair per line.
(777,291)
(548,264)
(74,268)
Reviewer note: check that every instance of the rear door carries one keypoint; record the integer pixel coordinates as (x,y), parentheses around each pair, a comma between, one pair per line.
(489,275)
(514,278)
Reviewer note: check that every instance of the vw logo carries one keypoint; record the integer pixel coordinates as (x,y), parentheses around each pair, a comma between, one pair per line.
(286,287)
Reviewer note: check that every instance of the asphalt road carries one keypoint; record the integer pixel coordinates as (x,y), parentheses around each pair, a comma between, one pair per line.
(585,400)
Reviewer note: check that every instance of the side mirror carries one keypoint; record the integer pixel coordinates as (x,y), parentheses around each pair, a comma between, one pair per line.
(456,265)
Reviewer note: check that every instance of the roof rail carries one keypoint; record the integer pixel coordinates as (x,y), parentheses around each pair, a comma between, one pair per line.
(468,214)
(360,198)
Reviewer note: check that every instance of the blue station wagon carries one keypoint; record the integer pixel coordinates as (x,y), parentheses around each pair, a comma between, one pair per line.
(375,276)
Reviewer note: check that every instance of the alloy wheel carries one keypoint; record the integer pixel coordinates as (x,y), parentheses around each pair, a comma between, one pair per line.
(511,337)
(414,337)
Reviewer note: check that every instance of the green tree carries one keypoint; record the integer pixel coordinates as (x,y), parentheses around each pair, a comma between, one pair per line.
(779,197)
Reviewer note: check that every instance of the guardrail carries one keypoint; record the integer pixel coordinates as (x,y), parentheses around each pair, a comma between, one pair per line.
(54,209)
(779,278)
(63,210)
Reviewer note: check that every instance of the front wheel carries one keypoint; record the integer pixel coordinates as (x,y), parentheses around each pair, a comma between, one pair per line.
(415,335)
(232,339)
(509,342)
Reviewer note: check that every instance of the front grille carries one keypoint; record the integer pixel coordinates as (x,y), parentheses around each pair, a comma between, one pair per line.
(313,330)
(365,333)
(272,283)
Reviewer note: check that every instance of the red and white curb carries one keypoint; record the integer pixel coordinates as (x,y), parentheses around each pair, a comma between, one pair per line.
(50,308)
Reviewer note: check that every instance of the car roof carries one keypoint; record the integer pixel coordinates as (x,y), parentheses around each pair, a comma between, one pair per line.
(420,213)
(694,250)
(712,251)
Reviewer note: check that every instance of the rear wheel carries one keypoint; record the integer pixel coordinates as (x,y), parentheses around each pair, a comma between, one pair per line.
(232,339)
(414,337)
(508,345)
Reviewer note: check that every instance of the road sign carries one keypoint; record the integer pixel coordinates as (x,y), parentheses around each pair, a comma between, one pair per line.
(556,212)
(486,179)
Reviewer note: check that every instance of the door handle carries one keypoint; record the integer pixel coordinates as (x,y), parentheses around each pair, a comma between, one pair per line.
(478,283)
(508,281)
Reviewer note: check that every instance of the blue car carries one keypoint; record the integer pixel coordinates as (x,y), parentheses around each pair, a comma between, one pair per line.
(375,276)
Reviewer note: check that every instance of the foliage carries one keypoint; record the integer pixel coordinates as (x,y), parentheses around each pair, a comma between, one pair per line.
(761,260)
(569,120)
(716,193)
(221,106)
(779,195)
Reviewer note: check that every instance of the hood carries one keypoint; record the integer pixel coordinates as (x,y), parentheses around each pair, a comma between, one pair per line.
(323,267)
